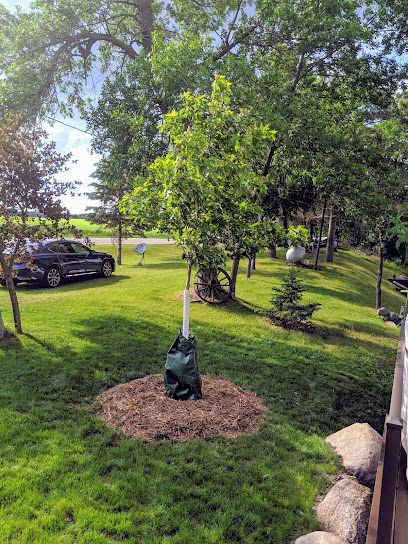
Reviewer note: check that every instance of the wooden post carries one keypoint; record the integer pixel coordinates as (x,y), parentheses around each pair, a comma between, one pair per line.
(382,517)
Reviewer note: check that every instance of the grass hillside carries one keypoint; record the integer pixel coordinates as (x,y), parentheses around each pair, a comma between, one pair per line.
(66,478)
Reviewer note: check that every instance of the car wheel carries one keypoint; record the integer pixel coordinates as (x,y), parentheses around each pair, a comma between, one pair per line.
(52,277)
(106,269)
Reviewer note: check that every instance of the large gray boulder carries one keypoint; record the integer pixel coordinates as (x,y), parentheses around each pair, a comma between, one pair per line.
(320,537)
(345,510)
(359,447)
(383,312)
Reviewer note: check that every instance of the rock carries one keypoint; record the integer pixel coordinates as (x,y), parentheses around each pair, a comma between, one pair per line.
(383,312)
(345,510)
(320,537)
(394,318)
(390,323)
(359,447)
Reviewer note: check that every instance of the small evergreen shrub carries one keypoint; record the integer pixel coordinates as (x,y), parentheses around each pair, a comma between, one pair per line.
(286,310)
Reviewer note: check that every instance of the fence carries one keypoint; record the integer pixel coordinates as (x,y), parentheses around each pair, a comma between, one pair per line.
(389,520)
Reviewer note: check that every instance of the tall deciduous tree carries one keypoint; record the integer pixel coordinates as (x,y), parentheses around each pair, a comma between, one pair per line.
(27,168)
(287,58)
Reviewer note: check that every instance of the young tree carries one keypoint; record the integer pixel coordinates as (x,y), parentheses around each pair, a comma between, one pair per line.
(27,168)
(204,193)
(109,191)
(286,310)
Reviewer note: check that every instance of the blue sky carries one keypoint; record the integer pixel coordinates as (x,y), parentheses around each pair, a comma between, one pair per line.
(69,140)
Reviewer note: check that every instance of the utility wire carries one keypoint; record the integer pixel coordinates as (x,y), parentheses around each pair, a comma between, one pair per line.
(70,126)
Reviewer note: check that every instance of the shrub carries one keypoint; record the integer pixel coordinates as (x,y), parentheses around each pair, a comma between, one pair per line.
(286,310)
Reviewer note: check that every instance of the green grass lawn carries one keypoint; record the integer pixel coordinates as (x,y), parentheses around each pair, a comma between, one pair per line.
(92,230)
(66,478)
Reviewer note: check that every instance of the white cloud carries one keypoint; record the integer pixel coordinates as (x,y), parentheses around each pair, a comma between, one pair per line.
(69,140)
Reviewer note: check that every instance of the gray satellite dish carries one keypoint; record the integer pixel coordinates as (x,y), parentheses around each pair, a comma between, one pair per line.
(141,249)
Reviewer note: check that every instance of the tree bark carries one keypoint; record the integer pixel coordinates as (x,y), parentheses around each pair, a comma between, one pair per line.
(254,261)
(272,252)
(146,23)
(285,222)
(331,235)
(311,231)
(269,160)
(248,271)
(2,328)
(7,271)
(379,273)
(119,253)
(234,274)
(320,237)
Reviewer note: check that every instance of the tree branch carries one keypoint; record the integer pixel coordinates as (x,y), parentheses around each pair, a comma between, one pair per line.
(230,46)
(74,41)
(299,70)
(233,21)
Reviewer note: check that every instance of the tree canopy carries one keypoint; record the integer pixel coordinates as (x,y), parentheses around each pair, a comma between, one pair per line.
(206,190)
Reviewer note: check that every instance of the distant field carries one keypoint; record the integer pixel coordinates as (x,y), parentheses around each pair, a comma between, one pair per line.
(92,230)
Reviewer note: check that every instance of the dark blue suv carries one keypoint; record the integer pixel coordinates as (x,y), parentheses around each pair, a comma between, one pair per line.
(52,260)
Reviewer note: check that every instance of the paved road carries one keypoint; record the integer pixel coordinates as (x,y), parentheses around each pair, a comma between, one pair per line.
(134,241)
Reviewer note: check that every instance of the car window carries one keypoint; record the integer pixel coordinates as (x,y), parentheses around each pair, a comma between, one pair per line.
(64,247)
(54,247)
(33,247)
(79,248)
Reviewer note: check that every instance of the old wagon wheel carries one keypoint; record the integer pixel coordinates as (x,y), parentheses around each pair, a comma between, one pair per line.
(213,286)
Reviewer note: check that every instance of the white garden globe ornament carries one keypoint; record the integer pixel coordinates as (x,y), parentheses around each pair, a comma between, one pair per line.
(296,254)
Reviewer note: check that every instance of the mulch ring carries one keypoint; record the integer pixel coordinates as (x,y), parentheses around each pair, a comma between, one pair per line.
(141,408)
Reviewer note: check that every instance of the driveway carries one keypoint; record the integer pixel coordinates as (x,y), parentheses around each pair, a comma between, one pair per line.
(135,241)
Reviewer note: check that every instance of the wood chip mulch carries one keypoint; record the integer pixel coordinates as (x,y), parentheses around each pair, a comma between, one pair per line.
(140,408)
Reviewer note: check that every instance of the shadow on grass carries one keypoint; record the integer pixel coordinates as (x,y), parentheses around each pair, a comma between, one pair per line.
(76,282)
(113,350)
(312,388)
(331,334)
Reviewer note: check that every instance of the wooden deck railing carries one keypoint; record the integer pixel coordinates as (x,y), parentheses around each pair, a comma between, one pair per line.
(389,520)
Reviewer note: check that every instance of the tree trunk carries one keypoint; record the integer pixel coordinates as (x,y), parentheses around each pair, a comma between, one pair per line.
(2,328)
(331,235)
(311,231)
(14,303)
(320,237)
(254,261)
(234,274)
(248,271)
(7,271)
(272,252)
(285,222)
(186,308)
(269,160)
(380,273)
(146,23)
(119,253)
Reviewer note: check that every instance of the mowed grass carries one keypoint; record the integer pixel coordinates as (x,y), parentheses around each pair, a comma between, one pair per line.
(93,230)
(67,478)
